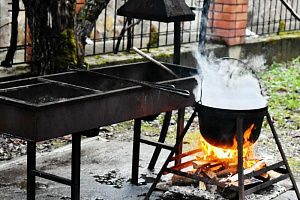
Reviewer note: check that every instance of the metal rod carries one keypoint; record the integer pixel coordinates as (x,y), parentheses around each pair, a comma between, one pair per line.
(155,62)
(180,125)
(290,8)
(157,144)
(51,177)
(164,167)
(240,142)
(136,151)
(75,173)
(283,155)
(177,33)
(162,137)
(31,165)
(157,86)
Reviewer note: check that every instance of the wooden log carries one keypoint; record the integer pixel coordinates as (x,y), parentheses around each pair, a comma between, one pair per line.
(202,186)
(227,172)
(185,154)
(210,174)
(180,166)
(182,180)
(248,170)
(264,177)
(200,164)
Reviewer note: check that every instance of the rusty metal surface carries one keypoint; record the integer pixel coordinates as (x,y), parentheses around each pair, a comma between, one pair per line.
(157,10)
(55,105)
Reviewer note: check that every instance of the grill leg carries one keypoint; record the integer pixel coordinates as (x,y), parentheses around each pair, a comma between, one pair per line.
(180,125)
(161,139)
(136,151)
(31,165)
(75,174)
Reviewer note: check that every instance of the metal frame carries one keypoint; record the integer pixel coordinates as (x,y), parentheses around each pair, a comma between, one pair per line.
(74,182)
(241,177)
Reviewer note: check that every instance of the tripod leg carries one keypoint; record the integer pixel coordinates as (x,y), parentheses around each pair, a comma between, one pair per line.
(283,155)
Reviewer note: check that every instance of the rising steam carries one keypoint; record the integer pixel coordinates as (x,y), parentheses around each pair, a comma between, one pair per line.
(229,83)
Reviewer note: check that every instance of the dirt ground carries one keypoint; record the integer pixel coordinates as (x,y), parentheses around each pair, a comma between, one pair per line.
(99,159)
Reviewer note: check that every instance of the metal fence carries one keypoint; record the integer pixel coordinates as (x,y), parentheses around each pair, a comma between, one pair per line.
(271,16)
(264,17)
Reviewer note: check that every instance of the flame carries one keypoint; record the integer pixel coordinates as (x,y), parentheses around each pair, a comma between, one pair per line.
(229,156)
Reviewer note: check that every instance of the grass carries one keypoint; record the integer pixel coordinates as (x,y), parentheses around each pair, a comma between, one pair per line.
(281,83)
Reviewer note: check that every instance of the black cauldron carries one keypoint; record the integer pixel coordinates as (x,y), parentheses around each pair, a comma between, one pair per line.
(219,126)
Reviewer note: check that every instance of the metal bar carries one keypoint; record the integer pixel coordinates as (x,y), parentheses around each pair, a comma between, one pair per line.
(157,86)
(136,151)
(283,155)
(266,184)
(165,165)
(31,165)
(263,170)
(75,168)
(161,139)
(155,61)
(180,125)
(157,144)
(199,178)
(51,177)
(176,56)
(240,142)
(66,84)
(129,35)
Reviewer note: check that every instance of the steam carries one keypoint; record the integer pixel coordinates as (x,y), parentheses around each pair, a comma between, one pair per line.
(229,83)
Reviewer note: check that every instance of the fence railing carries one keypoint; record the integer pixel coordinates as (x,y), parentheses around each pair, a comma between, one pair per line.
(264,17)
(268,17)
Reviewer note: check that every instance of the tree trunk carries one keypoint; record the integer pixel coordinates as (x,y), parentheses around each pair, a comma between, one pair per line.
(53,43)
(51,26)
(85,21)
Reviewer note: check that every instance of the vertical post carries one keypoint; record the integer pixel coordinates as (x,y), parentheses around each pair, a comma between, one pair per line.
(176,60)
(75,171)
(136,151)
(283,155)
(176,56)
(240,142)
(31,165)
(129,35)
(180,125)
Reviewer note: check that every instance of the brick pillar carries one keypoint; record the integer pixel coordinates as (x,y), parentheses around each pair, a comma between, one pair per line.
(79,5)
(227,21)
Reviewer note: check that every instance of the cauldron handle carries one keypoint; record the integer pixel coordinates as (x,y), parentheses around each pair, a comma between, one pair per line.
(246,67)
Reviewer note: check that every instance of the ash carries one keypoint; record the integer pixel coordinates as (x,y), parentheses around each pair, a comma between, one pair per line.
(190,192)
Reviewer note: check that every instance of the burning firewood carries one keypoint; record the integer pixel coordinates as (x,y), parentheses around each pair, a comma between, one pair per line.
(200,164)
(258,165)
(227,172)
(210,174)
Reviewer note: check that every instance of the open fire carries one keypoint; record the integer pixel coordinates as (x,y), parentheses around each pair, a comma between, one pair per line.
(227,156)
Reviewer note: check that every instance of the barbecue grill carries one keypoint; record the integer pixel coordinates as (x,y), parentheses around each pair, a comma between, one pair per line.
(46,107)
